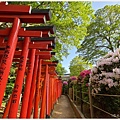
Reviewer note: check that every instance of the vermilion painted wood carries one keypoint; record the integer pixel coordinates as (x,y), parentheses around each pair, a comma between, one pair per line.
(47,96)
(3,3)
(52,101)
(22,33)
(6,60)
(49,62)
(19,80)
(54,91)
(26,94)
(52,39)
(51,81)
(23,18)
(17,60)
(50,56)
(57,89)
(47,49)
(37,94)
(25,33)
(50,95)
(1,39)
(6,111)
(46,34)
(51,70)
(47,30)
(32,89)
(32,45)
(39,46)
(15,9)
(17,54)
(46,57)
(43,105)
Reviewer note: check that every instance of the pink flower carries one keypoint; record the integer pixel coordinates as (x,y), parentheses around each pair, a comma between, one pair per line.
(73,78)
(65,82)
(85,73)
(87,84)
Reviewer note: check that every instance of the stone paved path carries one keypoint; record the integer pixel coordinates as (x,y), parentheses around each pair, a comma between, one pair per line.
(63,109)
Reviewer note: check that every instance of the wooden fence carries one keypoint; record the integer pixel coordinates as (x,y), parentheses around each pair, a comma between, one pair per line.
(86,104)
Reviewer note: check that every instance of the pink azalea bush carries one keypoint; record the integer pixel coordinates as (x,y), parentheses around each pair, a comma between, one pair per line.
(65,83)
(83,78)
(73,78)
(84,73)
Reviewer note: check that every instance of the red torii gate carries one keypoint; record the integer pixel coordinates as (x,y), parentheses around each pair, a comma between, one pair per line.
(51,87)
(16,15)
(12,41)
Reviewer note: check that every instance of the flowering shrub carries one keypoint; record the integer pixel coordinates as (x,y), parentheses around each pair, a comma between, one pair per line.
(84,75)
(84,79)
(105,79)
(73,78)
(65,83)
(107,72)
(65,87)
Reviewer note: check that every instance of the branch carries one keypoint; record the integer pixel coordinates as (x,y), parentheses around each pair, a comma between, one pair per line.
(108,40)
(111,47)
(118,43)
(102,46)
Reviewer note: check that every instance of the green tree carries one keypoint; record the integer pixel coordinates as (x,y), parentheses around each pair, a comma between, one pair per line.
(60,70)
(103,33)
(77,65)
(70,19)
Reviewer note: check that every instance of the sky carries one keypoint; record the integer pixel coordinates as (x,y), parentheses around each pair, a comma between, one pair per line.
(96,5)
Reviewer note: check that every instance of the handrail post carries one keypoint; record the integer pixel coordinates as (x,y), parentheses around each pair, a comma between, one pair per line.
(81,102)
(73,93)
(90,100)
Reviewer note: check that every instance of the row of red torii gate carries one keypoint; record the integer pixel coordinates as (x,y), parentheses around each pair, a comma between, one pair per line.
(31,49)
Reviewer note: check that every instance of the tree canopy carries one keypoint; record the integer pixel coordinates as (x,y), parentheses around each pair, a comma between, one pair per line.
(70,19)
(60,70)
(103,33)
(77,65)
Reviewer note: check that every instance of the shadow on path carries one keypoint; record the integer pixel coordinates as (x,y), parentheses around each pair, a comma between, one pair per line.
(63,109)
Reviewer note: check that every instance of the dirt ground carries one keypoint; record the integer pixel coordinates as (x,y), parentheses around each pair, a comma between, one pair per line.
(63,109)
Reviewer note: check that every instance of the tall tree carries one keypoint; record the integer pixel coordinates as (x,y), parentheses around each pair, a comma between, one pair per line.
(77,65)
(103,33)
(70,19)
(60,69)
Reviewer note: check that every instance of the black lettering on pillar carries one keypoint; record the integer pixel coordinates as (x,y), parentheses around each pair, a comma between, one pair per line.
(5,56)
(4,59)
(29,67)
(14,95)
(21,63)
